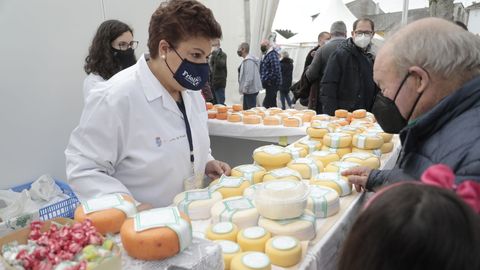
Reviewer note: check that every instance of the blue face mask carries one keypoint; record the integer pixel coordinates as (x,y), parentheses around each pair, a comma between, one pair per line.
(190,75)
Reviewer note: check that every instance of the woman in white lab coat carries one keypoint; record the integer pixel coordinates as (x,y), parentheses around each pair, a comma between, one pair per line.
(112,50)
(145,132)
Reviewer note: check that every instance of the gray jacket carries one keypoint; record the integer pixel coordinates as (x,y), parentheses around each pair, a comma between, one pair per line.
(319,62)
(249,76)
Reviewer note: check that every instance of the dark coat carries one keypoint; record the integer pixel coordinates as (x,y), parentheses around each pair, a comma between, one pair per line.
(448,134)
(347,81)
(218,69)
(286,65)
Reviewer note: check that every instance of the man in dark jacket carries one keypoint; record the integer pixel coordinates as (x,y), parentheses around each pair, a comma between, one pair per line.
(347,81)
(322,39)
(270,72)
(432,97)
(218,72)
(286,65)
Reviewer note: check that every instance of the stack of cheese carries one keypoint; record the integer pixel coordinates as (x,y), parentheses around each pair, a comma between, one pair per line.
(272,156)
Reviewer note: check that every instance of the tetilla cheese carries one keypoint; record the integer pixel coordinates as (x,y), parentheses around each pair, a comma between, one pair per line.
(253,238)
(302,227)
(229,250)
(222,231)
(251,172)
(196,204)
(238,210)
(323,201)
(284,251)
(229,186)
(333,180)
(364,159)
(251,260)
(306,167)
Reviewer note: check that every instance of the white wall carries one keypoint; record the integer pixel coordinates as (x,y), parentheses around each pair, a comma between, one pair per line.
(474,21)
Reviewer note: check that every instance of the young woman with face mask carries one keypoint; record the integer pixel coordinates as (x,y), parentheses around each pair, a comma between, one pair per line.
(112,50)
(145,133)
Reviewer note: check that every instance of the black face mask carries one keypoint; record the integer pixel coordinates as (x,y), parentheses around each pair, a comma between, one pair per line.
(125,58)
(263,48)
(387,114)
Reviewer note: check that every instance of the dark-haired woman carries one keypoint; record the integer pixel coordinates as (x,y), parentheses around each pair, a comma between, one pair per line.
(145,133)
(112,50)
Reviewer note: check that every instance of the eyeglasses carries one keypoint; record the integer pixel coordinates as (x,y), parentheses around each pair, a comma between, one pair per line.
(358,32)
(125,46)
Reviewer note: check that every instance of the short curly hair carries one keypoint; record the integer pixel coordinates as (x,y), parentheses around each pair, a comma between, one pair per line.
(100,58)
(178,20)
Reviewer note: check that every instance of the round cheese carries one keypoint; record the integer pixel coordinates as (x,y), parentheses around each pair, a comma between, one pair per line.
(251,260)
(229,186)
(222,231)
(333,180)
(282,174)
(271,155)
(309,145)
(156,234)
(387,147)
(377,152)
(340,166)
(282,115)
(318,129)
(302,227)
(222,115)
(364,159)
(212,114)
(272,120)
(324,156)
(234,117)
(107,213)
(292,121)
(281,199)
(340,122)
(274,110)
(387,137)
(339,151)
(249,112)
(337,140)
(252,119)
(196,204)
(323,201)
(364,123)
(284,251)
(221,108)
(249,192)
(253,239)
(359,113)
(296,152)
(271,168)
(237,107)
(229,250)
(341,113)
(352,130)
(209,105)
(321,117)
(308,114)
(253,173)
(367,141)
(306,167)
(291,111)
(238,210)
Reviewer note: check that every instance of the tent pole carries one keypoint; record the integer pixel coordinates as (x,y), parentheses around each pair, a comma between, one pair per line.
(405,12)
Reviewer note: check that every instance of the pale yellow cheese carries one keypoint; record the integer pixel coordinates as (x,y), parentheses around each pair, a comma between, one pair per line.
(339,151)
(323,201)
(309,145)
(377,152)
(234,117)
(387,147)
(271,168)
(296,152)
(387,137)
(292,121)
(352,130)
(229,250)
(306,167)
(251,260)
(282,174)
(284,251)
(249,192)
(272,155)
(324,156)
(365,159)
(253,238)
(340,166)
(229,186)
(222,231)
(239,210)
(251,172)
(318,129)
(337,140)
(303,227)
(321,117)
(333,180)
(367,141)
(196,204)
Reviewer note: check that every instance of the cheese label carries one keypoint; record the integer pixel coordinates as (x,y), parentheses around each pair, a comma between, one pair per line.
(361,139)
(294,152)
(310,163)
(270,149)
(304,217)
(233,206)
(321,153)
(335,139)
(222,227)
(230,182)
(327,176)
(284,242)
(256,260)
(228,247)
(284,172)
(310,144)
(198,195)
(254,232)
(280,185)
(108,202)
(248,171)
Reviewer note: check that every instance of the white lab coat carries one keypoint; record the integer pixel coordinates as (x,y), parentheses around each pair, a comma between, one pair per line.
(132,139)
(91,81)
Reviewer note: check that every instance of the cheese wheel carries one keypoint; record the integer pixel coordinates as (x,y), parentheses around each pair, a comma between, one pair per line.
(323,201)
(238,210)
(296,152)
(271,155)
(253,239)
(253,173)
(305,118)
(222,115)
(308,114)
(306,167)
(337,140)
(333,180)
(237,107)
(271,168)
(209,105)
(251,260)
(212,114)
(222,231)
(387,147)
(272,120)
(142,240)
(284,251)
(282,115)
(274,110)
(282,174)
(303,227)
(261,114)
(107,213)
(259,109)
(252,119)
(291,111)
(249,112)
(249,192)
(221,108)
(292,121)
(339,151)
(340,166)
(234,117)
(377,152)
(341,113)
(367,141)
(281,199)
(364,159)
(350,130)
(340,122)
(229,186)
(196,204)
(387,137)
(318,129)
(229,250)
(321,117)
(364,123)
(324,156)
(309,145)
(359,113)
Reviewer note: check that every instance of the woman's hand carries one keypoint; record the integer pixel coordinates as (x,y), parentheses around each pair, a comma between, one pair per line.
(216,168)
(358,176)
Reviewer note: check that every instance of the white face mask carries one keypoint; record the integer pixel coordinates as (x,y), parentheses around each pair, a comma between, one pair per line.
(362,40)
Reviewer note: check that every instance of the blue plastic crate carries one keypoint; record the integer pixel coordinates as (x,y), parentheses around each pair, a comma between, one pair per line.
(65,208)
